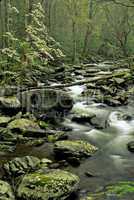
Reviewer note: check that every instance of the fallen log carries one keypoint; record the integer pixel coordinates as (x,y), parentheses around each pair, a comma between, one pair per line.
(81,82)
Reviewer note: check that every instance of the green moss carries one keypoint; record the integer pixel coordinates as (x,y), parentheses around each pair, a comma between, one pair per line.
(43,124)
(4,120)
(6,191)
(11,102)
(23,124)
(56,184)
(120,190)
(77,147)
(55,137)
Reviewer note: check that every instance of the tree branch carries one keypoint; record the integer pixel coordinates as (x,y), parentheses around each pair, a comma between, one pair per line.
(123,4)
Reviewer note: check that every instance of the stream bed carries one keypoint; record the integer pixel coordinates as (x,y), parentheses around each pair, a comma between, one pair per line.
(112,162)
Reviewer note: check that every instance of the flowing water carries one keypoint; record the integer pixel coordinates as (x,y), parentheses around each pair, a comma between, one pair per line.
(113,161)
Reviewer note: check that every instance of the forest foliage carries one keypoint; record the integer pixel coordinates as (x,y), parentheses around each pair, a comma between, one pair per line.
(29,30)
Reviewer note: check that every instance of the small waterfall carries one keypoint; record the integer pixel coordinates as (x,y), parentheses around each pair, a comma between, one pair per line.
(122,126)
(76,91)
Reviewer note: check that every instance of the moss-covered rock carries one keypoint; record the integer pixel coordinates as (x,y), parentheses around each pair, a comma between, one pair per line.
(54,185)
(120,191)
(6,135)
(34,142)
(23,124)
(7,146)
(27,127)
(74,149)
(4,121)
(6,191)
(19,166)
(59,135)
(9,104)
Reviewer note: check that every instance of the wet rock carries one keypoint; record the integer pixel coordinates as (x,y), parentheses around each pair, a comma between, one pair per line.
(119,80)
(7,147)
(109,100)
(54,166)
(56,184)
(92,70)
(20,166)
(26,127)
(43,124)
(4,121)
(22,124)
(35,142)
(121,191)
(130,146)
(6,135)
(74,150)
(6,192)
(112,102)
(89,174)
(9,105)
(43,101)
(59,135)
(45,163)
(83,117)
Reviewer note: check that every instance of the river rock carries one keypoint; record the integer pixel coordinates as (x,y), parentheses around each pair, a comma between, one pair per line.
(83,117)
(7,146)
(119,191)
(55,185)
(45,100)
(20,166)
(6,135)
(74,150)
(58,135)
(9,105)
(27,127)
(130,146)
(6,191)
(4,121)
(97,117)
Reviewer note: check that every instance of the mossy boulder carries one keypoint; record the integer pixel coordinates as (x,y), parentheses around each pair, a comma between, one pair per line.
(27,127)
(6,135)
(7,146)
(54,185)
(4,121)
(58,135)
(20,166)
(33,142)
(10,105)
(120,191)
(74,150)
(6,191)
(23,124)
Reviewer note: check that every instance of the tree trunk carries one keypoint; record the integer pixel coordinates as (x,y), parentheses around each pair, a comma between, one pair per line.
(74,42)
(89,28)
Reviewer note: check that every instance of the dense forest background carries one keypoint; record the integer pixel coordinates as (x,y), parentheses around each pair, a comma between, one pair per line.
(83,28)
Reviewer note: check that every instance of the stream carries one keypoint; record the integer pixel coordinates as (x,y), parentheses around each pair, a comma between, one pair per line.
(113,161)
